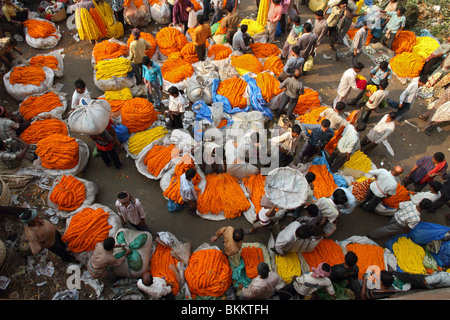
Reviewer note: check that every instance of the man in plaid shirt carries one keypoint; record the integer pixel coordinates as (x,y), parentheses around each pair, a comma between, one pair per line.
(405,219)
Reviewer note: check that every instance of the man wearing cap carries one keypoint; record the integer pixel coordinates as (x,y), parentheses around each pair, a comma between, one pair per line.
(262,286)
(41,234)
(137,51)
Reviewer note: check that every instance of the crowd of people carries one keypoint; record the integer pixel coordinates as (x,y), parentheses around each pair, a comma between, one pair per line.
(298,145)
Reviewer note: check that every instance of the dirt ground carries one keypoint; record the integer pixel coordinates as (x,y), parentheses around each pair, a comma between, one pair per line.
(408,143)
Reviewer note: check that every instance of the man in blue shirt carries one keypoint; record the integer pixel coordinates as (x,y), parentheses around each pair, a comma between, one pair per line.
(153,79)
(320,135)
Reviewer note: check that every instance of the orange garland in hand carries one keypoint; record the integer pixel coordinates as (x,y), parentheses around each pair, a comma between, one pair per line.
(34,105)
(159,266)
(138,114)
(252,256)
(86,229)
(309,100)
(158,157)
(69,194)
(41,129)
(208,273)
(27,75)
(234,90)
(222,194)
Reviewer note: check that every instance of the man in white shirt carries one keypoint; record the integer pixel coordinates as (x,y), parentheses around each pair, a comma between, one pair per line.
(374,101)
(262,286)
(177,107)
(156,287)
(335,116)
(408,96)
(347,145)
(81,93)
(378,134)
(309,282)
(187,191)
(241,40)
(347,83)
(289,235)
(385,185)
(434,194)
(344,200)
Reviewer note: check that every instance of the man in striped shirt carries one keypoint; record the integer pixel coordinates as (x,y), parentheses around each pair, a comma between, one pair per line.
(405,219)
(130,210)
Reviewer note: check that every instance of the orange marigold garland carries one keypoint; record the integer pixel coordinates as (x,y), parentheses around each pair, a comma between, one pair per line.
(39,29)
(34,105)
(269,85)
(404,42)
(159,266)
(247,63)
(252,256)
(219,51)
(138,114)
(44,61)
(69,194)
(368,255)
(175,69)
(172,192)
(222,194)
(264,50)
(234,90)
(41,129)
(158,157)
(208,273)
(86,229)
(27,75)
(58,151)
(309,100)
(109,50)
(255,186)
(274,64)
(326,251)
(170,40)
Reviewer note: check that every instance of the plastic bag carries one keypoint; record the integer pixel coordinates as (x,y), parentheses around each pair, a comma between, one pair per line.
(286,188)
(161,14)
(172,206)
(308,64)
(192,20)
(199,88)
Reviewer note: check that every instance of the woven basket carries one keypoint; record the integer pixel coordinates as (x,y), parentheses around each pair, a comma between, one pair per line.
(61,15)
(5,196)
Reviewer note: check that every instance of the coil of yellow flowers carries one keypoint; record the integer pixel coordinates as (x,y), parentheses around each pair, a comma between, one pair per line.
(138,141)
(108,69)
(409,256)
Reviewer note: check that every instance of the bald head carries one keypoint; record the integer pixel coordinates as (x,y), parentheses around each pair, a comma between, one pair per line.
(398,170)
(147,278)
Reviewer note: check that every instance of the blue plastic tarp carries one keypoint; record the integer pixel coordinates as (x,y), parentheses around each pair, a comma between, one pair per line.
(339,180)
(425,232)
(256,99)
(227,107)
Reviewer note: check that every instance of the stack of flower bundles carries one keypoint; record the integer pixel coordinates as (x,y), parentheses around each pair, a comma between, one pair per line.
(138,114)
(58,151)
